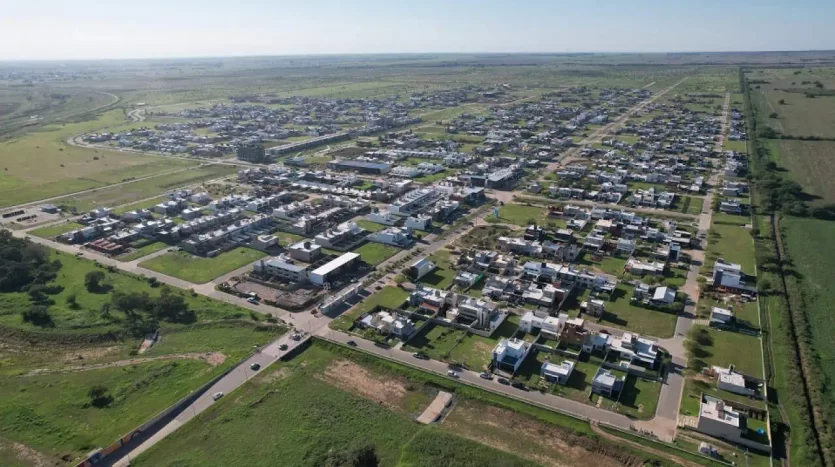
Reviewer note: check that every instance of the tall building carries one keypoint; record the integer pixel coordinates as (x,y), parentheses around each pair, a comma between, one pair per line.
(252,152)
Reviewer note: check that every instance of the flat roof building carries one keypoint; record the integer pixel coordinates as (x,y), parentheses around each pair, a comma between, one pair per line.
(325,273)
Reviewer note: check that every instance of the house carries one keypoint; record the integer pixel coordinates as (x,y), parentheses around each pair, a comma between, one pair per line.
(390,324)
(330,271)
(419,222)
(421,268)
(594,307)
(642,268)
(383,217)
(549,326)
(478,313)
(427,299)
(509,354)
(465,279)
(394,236)
(718,419)
(305,250)
(625,246)
(733,381)
(282,268)
(559,374)
(606,383)
(636,349)
(663,296)
(728,277)
(730,207)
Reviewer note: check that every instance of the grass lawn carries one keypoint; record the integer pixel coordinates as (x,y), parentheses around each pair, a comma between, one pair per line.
(200,270)
(146,204)
(474,351)
(733,348)
(53,231)
(436,341)
(142,252)
(608,264)
(694,206)
(444,274)
(389,297)
(286,239)
(370,226)
(693,388)
(376,253)
(304,418)
(432,178)
(732,243)
(639,398)
(620,312)
(730,219)
(29,405)
(520,215)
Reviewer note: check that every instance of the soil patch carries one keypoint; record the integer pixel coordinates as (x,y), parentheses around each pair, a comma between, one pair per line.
(347,375)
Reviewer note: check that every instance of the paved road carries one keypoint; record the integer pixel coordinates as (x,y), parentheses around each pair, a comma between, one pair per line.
(549,401)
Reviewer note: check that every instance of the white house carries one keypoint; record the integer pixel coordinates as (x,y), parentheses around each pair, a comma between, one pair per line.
(721,316)
(421,268)
(664,296)
(509,354)
(554,373)
(393,236)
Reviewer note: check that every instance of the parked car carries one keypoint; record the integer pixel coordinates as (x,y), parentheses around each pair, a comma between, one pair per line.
(252,300)
(217,395)
(504,381)
(518,385)
(295,337)
(485,375)
(255,366)
(282,347)
(420,356)
(452,374)
(352,343)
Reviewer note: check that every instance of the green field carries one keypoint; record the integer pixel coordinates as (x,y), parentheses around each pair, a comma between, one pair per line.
(134,191)
(198,269)
(303,420)
(733,348)
(437,342)
(41,164)
(376,253)
(733,244)
(522,215)
(444,272)
(53,231)
(623,314)
(810,163)
(143,251)
(370,226)
(29,406)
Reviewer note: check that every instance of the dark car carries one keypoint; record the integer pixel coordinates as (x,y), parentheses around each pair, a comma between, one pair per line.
(420,356)
(282,347)
(518,385)
(352,343)
(503,381)
(485,375)
(255,366)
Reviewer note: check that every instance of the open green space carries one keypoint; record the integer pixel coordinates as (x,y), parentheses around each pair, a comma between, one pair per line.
(432,178)
(370,226)
(639,398)
(53,231)
(198,269)
(56,414)
(437,342)
(523,215)
(444,272)
(809,163)
(475,351)
(376,253)
(144,204)
(134,191)
(738,146)
(621,313)
(726,348)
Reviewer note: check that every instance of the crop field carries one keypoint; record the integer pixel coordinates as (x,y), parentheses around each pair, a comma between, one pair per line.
(305,414)
(135,191)
(810,163)
(797,115)
(200,270)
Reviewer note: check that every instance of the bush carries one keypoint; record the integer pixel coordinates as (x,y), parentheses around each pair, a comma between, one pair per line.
(99,396)
(38,315)
(93,281)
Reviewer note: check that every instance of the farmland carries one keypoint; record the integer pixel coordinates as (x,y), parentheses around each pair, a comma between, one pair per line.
(200,270)
(810,163)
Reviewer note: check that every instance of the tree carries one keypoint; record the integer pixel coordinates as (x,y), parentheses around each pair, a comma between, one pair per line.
(93,281)
(782,102)
(38,315)
(99,396)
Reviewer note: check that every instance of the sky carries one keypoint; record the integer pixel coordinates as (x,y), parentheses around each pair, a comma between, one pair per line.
(101,29)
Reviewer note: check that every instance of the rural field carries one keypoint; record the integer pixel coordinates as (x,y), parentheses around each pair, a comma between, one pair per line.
(809,163)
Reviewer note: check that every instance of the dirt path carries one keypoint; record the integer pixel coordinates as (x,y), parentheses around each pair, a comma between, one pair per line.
(595,428)
(212,358)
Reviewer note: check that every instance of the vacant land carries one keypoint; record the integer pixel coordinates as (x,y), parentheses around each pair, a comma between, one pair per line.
(623,314)
(370,226)
(444,272)
(56,415)
(306,415)
(143,251)
(522,215)
(376,253)
(198,269)
(437,342)
(732,243)
(389,297)
(41,164)
(733,348)
(53,231)
(134,191)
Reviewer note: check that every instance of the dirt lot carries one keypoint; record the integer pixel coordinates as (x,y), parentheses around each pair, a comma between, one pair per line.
(353,378)
(543,443)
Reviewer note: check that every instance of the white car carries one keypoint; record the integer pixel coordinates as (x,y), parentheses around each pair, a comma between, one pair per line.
(217,395)
(452,374)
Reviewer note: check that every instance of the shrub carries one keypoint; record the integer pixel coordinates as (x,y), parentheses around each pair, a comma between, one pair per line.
(38,315)
(93,281)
